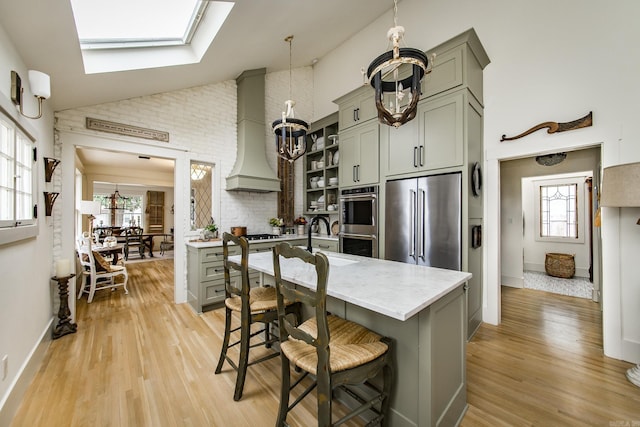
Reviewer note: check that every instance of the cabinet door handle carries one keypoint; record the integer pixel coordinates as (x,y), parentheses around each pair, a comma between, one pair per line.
(324,246)
(415,157)
(355,112)
(422,155)
(219,290)
(353,173)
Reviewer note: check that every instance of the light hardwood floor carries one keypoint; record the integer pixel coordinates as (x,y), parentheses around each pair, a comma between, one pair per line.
(140,360)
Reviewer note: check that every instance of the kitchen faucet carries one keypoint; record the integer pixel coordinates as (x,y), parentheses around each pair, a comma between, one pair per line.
(314,221)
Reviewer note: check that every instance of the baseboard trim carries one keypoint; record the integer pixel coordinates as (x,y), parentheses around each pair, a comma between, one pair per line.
(513,282)
(13,399)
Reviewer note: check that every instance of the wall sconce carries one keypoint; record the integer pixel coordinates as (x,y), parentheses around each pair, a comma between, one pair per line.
(40,85)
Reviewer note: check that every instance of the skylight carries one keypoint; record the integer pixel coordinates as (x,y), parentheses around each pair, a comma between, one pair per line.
(117,35)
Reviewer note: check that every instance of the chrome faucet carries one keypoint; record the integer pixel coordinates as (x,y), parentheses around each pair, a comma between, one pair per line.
(314,221)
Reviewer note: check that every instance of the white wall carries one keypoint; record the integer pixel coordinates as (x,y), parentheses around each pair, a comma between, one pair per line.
(550,61)
(26,290)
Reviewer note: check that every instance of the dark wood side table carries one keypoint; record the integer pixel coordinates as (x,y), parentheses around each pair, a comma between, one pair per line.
(64,326)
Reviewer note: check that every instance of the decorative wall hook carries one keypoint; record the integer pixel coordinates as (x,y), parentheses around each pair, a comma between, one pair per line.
(49,200)
(49,166)
(554,127)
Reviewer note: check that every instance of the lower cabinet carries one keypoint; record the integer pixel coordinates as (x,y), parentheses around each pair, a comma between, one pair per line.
(325,244)
(205,273)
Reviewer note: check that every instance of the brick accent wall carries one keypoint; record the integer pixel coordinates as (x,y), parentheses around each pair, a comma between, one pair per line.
(203,119)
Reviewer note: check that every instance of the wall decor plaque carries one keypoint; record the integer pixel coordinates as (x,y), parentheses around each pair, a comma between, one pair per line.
(554,127)
(128,130)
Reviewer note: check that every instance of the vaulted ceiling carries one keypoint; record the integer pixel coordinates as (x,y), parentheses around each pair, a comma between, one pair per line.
(44,35)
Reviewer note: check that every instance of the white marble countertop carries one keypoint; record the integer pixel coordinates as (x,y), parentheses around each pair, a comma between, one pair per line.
(283,238)
(394,289)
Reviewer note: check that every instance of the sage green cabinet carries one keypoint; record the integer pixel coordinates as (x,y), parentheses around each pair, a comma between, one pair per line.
(359,155)
(325,244)
(433,140)
(356,107)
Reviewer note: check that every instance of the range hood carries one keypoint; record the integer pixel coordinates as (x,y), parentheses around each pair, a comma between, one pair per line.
(251,171)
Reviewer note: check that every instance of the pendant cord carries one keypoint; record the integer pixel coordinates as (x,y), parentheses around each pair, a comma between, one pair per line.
(289,39)
(395,13)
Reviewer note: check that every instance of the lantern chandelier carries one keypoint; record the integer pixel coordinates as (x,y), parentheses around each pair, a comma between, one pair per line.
(388,76)
(290,133)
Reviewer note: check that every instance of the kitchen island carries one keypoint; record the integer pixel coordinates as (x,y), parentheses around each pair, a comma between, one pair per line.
(205,274)
(423,309)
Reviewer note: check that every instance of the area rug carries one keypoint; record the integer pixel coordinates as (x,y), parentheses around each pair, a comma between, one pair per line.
(576,287)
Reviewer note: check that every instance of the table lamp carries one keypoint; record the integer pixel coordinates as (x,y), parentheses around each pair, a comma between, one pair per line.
(91,208)
(621,189)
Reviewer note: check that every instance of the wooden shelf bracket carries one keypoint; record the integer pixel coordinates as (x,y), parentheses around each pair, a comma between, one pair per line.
(49,200)
(49,166)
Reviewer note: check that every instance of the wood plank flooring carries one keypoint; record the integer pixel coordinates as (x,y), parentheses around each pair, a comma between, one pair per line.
(140,360)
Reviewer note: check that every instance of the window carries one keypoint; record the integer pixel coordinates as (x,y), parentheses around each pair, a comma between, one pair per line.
(200,211)
(558,213)
(118,35)
(17,183)
(560,207)
(118,211)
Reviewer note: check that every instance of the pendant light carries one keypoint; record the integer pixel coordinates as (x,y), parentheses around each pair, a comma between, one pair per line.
(290,133)
(389,76)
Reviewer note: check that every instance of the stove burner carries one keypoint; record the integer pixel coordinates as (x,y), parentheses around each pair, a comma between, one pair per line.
(263,236)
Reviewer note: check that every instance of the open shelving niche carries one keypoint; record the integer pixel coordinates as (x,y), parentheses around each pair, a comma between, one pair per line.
(322,128)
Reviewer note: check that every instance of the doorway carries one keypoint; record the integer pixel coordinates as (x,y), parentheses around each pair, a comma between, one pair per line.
(70,141)
(520,250)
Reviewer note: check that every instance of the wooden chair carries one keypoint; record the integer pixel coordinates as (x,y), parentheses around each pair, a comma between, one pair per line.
(338,353)
(133,240)
(254,305)
(100,273)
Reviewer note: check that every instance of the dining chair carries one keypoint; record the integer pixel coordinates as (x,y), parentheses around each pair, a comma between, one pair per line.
(253,305)
(97,272)
(133,240)
(335,352)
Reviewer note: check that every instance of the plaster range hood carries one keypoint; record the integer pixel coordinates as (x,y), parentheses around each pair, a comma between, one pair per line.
(251,171)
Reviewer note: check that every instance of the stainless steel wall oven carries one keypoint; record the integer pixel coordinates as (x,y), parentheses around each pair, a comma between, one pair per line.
(359,221)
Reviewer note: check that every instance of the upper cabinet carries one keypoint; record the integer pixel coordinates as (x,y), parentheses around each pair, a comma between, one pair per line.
(433,140)
(459,63)
(356,107)
(359,155)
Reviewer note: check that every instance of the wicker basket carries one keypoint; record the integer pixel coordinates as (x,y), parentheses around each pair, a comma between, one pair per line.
(560,265)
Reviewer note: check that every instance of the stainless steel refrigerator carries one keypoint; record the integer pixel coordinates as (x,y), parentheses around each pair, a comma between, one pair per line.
(423,221)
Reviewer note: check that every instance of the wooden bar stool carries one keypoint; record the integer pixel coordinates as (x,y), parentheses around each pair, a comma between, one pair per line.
(337,352)
(254,305)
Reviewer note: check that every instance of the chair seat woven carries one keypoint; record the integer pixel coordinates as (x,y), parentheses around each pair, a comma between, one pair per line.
(260,299)
(350,345)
